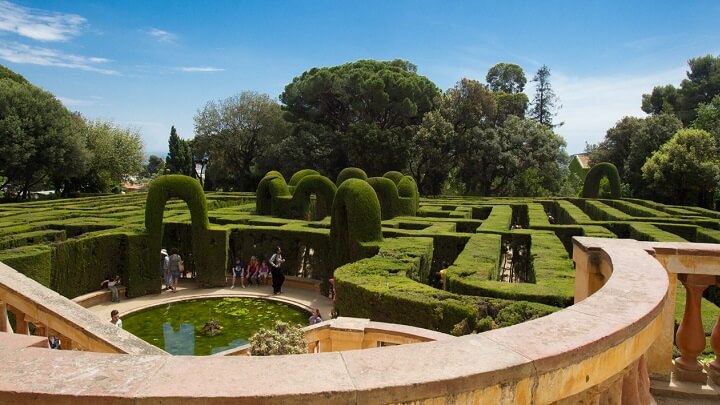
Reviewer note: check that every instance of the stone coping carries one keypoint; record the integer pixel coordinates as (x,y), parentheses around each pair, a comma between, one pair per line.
(704,255)
(67,317)
(541,361)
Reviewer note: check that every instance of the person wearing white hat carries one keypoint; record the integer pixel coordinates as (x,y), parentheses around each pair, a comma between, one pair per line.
(165,261)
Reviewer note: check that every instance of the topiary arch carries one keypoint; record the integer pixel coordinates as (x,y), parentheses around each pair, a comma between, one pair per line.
(189,190)
(591,186)
(355,222)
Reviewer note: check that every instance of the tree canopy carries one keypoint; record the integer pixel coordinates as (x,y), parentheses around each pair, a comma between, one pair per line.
(365,111)
(685,170)
(700,86)
(237,133)
(39,140)
(507,78)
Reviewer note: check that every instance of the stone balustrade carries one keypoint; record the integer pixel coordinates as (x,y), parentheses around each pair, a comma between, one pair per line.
(596,351)
(696,266)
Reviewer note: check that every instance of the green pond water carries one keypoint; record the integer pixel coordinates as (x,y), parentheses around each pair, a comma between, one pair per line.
(177,327)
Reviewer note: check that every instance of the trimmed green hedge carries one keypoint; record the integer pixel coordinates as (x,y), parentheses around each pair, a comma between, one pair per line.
(299,175)
(591,186)
(32,261)
(350,173)
(204,246)
(378,288)
(355,224)
(395,176)
(387,193)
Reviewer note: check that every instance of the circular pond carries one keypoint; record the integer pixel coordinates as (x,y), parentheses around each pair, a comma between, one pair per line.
(178,327)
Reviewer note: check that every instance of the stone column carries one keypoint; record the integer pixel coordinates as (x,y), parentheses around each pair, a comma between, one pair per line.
(4,322)
(21,326)
(690,335)
(713,368)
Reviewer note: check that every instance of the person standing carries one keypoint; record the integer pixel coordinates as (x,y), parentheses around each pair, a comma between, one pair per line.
(278,278)
(165,261)
(174,265)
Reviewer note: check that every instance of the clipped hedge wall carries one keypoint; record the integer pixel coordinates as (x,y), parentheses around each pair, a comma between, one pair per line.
(387,193)
(355,223)
(350,173)
(395,176)
(591,186)
(378,288)
(189,190)
(409,197)
(271,188)
(324,191)
(299,175)
(32,261)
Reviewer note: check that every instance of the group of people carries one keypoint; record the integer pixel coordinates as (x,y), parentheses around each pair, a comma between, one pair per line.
(172,268)
(257,270)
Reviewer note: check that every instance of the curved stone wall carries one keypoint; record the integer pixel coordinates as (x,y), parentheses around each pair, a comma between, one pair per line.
(590,351)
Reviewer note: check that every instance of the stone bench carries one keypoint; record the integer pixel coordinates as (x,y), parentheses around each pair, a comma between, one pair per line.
(97,297)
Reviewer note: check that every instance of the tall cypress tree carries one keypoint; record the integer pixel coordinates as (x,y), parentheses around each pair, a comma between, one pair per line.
(179,158)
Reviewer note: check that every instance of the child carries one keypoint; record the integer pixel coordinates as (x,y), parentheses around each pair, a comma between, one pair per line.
(263,272)
(115,318)
(238,272)
(315,317)
(252,271)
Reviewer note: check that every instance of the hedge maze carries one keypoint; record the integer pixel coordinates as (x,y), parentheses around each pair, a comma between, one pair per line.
(505,260)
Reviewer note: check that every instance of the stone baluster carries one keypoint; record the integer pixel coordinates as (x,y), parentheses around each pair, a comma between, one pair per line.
(4,322)
(713,368)
(21,326)
(690,336)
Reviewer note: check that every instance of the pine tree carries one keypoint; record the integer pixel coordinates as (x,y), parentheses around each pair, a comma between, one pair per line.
(179,158)
(544,104)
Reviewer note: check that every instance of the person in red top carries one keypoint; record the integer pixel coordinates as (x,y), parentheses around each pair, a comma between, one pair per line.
(252,271)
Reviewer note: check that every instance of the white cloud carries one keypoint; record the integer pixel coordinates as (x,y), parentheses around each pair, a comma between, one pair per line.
(195,69)
(161,35)
(593,104)
(75,102)
(21,53)
(38,24)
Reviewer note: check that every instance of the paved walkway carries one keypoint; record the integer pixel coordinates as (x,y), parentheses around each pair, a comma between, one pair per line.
(187,289)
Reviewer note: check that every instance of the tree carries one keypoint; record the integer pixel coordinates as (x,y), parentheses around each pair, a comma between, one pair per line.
(236,134)
(507,78)
(155,165)
(469,105)
(655,131)
(520,156)
(708,117)
(179,159)
(630,143)
(114,154)
(544,104)
(38,137)
(431,153)
(358,107)
(616,145)
(700,86)
(686,169)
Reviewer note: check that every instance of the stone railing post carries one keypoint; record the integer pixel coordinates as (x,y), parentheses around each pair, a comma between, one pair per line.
(21,326)
(4,322)
(713,368)
(690,337)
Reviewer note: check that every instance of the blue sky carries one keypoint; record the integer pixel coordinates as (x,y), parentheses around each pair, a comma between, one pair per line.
(153,64)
